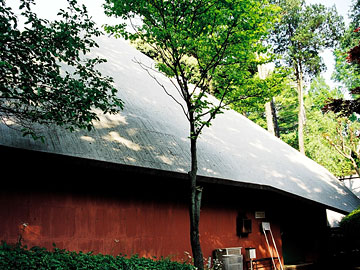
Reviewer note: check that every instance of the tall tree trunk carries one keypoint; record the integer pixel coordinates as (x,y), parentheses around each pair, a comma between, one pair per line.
(271,118)
(275,121)
(195,205)
(301,114)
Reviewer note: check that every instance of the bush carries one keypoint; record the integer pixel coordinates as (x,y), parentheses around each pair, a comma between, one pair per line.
(19,257)
(350,226)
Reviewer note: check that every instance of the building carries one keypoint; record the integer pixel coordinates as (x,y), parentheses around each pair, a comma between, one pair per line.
(122,188)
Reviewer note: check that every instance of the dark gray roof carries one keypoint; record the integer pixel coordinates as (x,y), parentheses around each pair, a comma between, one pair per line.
(152,132)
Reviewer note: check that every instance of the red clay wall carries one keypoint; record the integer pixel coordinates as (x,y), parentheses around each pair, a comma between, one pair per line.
(90,206)
(84,205)
(111,225)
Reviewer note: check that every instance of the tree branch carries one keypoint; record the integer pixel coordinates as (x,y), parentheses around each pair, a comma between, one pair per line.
(146,68)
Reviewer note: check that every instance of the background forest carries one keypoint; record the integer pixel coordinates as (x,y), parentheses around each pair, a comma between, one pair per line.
(305,108)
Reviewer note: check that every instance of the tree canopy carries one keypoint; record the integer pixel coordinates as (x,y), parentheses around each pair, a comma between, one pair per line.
(210,44)
(324,130)
(347,65)
(45,77)
(303,32)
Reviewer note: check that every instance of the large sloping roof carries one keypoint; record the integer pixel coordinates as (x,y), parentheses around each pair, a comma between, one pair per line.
(152,132)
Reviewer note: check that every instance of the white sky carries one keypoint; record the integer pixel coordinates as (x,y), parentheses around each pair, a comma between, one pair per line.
(48,9)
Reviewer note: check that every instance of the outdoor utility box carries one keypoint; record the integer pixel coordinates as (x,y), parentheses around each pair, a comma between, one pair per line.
(229,258)
(250,253)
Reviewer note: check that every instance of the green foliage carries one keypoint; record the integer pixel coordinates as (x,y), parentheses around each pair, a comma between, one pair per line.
(286,106)
(36,258)
(352,218)
(320,128)
(210,44)
(271,85)
(303,32)
(345,72)
(340,154)
(45,77)
(350,226)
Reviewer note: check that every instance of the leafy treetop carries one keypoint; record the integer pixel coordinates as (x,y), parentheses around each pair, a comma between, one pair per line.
(44,76)
(304,31)
(209,44)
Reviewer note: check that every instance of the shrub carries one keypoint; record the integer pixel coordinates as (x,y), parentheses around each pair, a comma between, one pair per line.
(20,257)
(350,226)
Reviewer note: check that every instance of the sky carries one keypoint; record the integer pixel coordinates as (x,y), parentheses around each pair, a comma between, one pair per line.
(48,9)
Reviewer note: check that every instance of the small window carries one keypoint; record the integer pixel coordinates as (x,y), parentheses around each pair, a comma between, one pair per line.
(243,226)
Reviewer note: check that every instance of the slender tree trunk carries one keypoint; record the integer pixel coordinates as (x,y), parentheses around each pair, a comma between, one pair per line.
(269,118)
(301,115)
(275,121)
(195,205)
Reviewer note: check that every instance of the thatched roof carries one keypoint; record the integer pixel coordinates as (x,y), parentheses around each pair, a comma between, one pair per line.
(152,132)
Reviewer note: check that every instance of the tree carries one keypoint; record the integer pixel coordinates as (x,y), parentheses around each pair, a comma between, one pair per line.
(283,108)
(205,47)
(350,226)
(32,86)
(303,32)
(347,141)
(345,72)
(270,113)
(346,107)
(324,127)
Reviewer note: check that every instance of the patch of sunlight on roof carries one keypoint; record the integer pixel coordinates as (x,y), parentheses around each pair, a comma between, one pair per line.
(131,159)
(300,184)
(166,160)
(260,146)
(210,171)
(181,170)
(113,136)
(132,131)
(109,120)
(277,174)
(87,138)
(9,122)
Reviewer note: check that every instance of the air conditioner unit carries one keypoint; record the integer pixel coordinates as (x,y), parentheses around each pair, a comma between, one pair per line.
(230,258)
